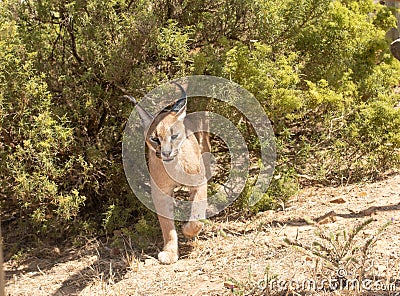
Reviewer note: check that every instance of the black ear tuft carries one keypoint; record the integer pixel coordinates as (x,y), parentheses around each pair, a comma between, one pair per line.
(179,105)
(132,99)
(183,92)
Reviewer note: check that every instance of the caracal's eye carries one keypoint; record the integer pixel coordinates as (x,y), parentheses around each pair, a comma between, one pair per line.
(155,140)
(173,137)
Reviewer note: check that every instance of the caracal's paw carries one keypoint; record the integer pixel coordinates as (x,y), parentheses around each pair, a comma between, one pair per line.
(168,257)
(192,228)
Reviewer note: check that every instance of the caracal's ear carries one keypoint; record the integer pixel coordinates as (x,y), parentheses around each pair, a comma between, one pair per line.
(145,116)
(180,109)
(180,106)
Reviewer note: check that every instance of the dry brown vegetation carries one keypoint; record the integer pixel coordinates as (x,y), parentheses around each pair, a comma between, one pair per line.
(233,255)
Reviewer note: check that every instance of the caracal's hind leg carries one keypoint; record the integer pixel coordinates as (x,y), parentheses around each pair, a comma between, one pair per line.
(204,142)
(198,196)
(164,206)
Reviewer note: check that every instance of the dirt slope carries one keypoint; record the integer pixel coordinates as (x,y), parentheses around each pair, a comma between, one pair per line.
(235,256)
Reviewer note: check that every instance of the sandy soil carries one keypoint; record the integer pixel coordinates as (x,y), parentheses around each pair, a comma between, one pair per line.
(235,256)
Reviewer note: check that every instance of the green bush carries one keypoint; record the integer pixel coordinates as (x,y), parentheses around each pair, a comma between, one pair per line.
(37,142)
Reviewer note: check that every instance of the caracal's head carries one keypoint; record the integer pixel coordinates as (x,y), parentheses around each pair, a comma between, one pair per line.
(167,131)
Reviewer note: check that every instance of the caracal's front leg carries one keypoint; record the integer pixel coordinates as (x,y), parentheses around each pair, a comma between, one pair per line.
(198,196)
(164,206)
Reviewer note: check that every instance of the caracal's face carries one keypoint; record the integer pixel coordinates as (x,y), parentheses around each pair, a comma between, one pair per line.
(166,135)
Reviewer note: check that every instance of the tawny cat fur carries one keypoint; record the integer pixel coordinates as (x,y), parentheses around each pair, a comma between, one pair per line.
(175,159)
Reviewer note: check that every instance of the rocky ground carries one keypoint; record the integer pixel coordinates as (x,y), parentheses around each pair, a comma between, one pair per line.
(242,256)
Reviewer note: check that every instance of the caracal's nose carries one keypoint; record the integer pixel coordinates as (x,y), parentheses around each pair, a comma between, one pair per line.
(166,153)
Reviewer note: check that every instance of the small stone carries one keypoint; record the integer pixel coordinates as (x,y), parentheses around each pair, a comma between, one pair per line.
(362,194)
(339,200)
(327,220)
(149,262)
(229,285)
